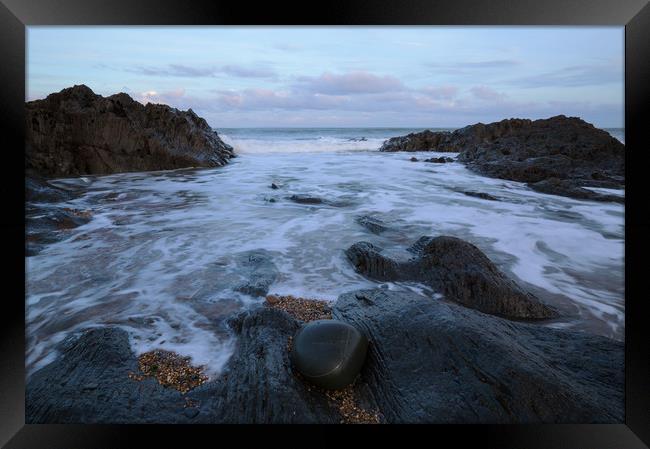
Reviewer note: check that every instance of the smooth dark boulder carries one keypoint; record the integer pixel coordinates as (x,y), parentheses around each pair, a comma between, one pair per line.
(455,268)
(329,353)
(76,132)
(373,224)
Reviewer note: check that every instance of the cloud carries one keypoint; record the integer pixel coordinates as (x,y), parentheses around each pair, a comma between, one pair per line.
(287,47)
(248,72)
(441,92)
(465,67)
(487,93)
(167,97)
(575,76)
(184,71)
(349,83)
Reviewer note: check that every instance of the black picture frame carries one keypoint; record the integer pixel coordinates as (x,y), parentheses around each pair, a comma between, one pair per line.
(15,15)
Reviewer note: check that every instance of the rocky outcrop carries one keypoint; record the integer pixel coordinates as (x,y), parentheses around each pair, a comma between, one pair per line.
(455,268)
(428,362)
(76,132)
(532,151)
(423,141)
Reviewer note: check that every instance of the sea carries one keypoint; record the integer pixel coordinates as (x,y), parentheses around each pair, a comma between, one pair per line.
(158,238)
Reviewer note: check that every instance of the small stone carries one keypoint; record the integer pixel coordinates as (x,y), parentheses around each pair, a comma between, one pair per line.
(329,353)
(274,186)
(414,159)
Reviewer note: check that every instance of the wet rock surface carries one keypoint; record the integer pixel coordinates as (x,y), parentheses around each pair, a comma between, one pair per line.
(434,362)
(455,268)
(306,199)
(428,362)
(373,224)
(565,148)
(46,220)
(482,195)
(76,132)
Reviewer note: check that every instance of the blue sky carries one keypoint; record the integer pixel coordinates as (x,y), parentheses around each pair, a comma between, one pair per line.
(421,76)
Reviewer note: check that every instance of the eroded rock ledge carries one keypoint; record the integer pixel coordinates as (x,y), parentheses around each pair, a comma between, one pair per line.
(455,268)
(76,132)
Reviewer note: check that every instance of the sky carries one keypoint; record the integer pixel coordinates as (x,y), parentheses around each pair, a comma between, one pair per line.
(361,76)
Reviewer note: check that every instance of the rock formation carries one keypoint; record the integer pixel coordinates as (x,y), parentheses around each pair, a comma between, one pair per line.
(455,268)
(564,148)
(76,132)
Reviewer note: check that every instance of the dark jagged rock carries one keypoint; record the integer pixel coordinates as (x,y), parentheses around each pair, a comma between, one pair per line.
(438,160)
(373,224)
(428,362)
(274,186)
(75,132)
(316,201)
(455,268)
(437,362)
(530,151)
(482,195)
(306,199)
(423,141)
(565,187)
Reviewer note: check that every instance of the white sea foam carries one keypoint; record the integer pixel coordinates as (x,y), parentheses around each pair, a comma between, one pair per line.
(156,239)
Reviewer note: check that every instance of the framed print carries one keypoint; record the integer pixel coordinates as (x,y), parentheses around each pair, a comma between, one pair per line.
(425,218)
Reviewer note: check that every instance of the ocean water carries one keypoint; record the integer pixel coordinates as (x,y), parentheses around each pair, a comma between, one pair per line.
(301,140)
(157,240)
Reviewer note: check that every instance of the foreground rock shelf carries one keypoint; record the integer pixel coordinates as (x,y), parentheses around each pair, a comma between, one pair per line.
(429,362)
